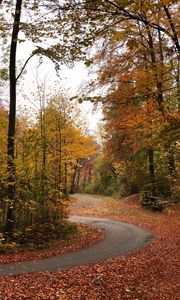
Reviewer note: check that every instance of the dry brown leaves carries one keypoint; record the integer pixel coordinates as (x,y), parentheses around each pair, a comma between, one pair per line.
(85,237)
(148,274)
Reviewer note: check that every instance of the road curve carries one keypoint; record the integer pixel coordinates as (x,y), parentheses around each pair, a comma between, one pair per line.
(119,238)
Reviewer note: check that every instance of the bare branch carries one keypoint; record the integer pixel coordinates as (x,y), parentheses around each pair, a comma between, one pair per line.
(26,62)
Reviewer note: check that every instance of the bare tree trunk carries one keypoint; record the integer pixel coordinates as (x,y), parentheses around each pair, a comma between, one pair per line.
(60,154)
(65,178)
(65,169)
(171,162)
(12,125)
(151,166)
(43,212)
(78,179)
(72,190)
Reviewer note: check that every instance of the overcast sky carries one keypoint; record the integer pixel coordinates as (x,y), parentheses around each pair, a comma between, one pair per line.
(70,80)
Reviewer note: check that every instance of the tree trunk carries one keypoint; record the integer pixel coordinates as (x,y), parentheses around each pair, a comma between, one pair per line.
(12,125)
(151,167)
(158,78)
(44,211)
(65,179)
(173,29)
(72,190)
(59,149)
(78,179)
(171,162)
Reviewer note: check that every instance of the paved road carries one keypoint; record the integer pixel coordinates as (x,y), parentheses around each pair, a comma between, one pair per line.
(84,200)
(120,238)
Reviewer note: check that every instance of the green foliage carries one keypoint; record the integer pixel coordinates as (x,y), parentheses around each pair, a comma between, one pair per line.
(37,236)
(118,179)
(4,74)
(41,233)
(158,195)
(131,176)
(163,187)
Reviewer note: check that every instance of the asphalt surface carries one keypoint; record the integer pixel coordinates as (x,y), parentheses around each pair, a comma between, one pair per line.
(84,200)
(120,238)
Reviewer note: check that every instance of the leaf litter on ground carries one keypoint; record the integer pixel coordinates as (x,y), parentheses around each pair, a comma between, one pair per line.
(147,274)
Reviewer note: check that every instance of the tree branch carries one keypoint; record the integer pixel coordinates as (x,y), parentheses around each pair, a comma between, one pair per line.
(138,18)
(174,37)
(26,62)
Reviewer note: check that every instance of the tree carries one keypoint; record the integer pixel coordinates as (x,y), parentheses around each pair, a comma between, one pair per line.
(100,17)
(37,32)
(42,179)
(135,66)
(12,123)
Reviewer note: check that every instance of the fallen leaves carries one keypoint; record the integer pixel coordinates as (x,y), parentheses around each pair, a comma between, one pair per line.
(85,237)
(148,274)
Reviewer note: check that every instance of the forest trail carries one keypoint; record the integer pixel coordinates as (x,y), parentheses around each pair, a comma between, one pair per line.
(119,238)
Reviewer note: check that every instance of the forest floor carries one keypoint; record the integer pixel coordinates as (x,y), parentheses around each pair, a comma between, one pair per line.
(150,273)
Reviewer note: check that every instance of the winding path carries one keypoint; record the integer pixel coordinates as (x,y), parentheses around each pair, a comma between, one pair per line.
(120,238)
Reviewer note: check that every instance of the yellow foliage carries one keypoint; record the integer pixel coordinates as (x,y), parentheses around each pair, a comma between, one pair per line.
(165,2)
